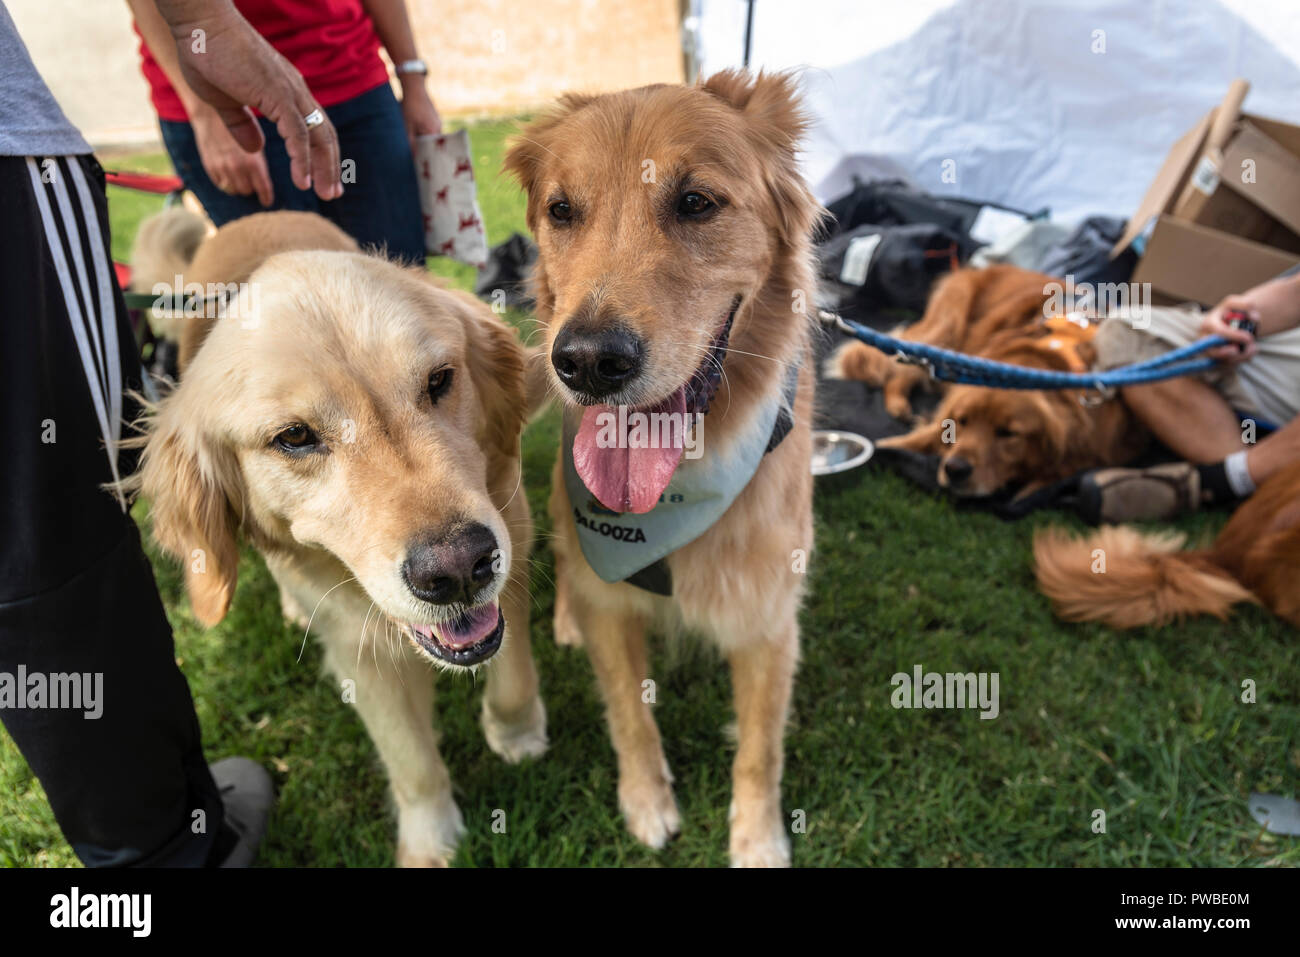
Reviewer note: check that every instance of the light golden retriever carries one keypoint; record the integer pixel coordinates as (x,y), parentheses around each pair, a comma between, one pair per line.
(675,276)
(359,425)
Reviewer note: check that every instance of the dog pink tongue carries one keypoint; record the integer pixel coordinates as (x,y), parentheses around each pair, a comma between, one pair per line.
(471,627)
(623,478)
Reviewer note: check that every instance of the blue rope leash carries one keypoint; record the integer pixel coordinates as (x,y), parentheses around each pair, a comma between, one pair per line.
(973,370)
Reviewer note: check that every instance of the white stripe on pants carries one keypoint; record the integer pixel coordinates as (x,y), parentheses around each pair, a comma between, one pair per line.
(95,333)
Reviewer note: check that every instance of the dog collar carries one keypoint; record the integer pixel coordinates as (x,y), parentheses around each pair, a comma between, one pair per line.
(630,547)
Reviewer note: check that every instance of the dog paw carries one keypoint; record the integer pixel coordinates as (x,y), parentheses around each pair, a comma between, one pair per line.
(427,834)
(408,858)
(769,852)
(293,612)
(854,360)
(650,811)
(517,740)
(566,630)
(833,367)
(899,406)
(759,840)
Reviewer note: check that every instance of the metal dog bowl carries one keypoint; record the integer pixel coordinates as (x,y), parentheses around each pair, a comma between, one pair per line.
(837,452)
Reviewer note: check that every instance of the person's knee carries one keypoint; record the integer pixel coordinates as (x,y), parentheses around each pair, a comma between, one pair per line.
(1187,415)
(1148,399)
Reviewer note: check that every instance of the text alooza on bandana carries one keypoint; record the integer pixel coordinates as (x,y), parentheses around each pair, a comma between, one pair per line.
(36,690)
(633,429)
(619,533)
(931,689)
(631,534)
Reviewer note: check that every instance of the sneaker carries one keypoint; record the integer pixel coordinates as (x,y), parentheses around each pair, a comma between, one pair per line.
(1111,496)
(247,795)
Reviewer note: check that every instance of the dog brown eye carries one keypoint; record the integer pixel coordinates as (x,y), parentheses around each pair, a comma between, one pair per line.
(693,204)
(297,438)
(439,383)
(1005,433)
(560,211)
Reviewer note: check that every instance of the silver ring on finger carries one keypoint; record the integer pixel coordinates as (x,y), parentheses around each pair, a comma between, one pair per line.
(314,119)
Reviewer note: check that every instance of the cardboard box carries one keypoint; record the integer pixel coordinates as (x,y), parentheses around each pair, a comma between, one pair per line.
(1186,262)
(1236,177)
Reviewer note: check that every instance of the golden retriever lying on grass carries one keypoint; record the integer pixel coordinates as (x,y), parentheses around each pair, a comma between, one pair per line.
(675,280)
(359,425)
(993,440)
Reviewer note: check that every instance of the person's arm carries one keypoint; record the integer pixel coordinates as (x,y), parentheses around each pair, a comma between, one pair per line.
(1275,305)
(228,65)
(394,30)
(229,166)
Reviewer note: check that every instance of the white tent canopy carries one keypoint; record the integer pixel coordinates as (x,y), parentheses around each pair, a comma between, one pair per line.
(1067,104)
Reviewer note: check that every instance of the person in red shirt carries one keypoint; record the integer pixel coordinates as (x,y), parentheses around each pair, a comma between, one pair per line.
(335,45)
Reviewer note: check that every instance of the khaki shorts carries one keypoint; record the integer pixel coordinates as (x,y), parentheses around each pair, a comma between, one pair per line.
(1266,387)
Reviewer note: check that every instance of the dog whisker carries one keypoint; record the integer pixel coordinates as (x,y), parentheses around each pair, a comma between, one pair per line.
(362,643)
(312,617)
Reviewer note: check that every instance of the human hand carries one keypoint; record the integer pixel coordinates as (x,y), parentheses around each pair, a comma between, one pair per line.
(232,169)
(418,112)
(231,67)
(1242,344)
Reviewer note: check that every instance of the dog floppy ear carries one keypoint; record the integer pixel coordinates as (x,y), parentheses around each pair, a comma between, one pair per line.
(1056,426)
(770,103)
(528,151)
(187,483)
(496,366)
(924,438)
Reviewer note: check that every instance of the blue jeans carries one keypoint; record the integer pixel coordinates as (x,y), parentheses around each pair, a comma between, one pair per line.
(380,209)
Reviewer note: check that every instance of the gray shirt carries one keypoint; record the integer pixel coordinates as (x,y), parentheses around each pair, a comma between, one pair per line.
(31,122)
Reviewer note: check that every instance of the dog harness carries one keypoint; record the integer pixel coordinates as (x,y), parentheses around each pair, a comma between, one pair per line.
(630,547)
(1065,336)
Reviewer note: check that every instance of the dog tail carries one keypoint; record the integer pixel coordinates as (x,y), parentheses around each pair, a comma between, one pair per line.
(164,246)
(1128,578)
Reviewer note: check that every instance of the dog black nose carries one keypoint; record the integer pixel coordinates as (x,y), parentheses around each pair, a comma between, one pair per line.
(596,362)
(957,469)
(451,567)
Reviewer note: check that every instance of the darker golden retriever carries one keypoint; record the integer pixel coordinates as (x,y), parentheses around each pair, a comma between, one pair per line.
(996,440)
(675,279)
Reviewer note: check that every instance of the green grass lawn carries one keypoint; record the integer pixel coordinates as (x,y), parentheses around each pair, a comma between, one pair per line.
(1147,726)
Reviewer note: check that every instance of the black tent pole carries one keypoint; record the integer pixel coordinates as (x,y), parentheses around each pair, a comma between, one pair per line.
(749,28)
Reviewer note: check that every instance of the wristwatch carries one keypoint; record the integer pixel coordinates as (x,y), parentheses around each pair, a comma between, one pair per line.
(411,66)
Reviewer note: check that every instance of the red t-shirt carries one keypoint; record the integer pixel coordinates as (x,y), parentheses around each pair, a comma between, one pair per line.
(332,43)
